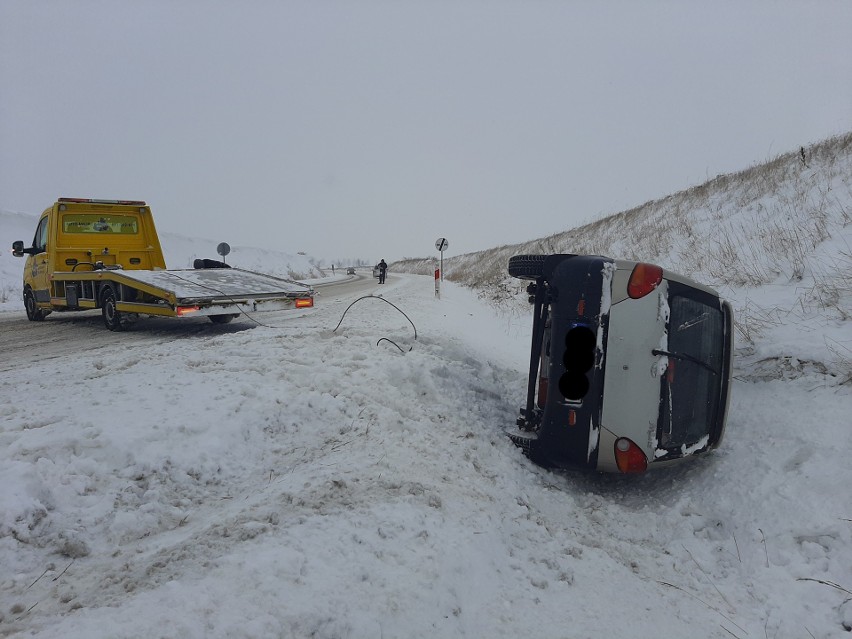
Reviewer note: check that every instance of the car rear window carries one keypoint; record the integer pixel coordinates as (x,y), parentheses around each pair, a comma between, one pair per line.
(691,386)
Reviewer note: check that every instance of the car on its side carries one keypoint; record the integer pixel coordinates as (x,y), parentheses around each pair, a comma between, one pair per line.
(630,364)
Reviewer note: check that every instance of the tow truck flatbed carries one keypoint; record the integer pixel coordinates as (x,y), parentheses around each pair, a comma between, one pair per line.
(201,292)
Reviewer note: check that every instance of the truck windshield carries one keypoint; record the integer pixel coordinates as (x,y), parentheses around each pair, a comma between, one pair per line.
(691,386)
(100,223)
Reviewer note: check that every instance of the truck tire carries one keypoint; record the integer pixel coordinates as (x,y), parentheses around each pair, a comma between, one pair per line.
(222,319)
(34,313)
(113,319)
(527,267)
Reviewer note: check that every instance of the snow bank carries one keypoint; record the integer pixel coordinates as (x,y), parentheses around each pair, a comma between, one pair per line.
(290,480)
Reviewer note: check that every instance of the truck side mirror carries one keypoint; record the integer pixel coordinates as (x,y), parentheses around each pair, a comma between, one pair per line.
(18,248)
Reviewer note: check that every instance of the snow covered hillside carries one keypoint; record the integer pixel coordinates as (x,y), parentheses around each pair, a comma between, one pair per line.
(775,239)
(303,479)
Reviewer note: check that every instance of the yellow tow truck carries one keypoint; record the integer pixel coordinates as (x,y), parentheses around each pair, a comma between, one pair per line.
(106,254)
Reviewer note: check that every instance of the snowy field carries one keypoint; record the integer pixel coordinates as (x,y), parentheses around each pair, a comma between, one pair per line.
(291,481)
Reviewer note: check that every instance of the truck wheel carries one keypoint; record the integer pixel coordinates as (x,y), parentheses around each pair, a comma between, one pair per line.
(34,313)
(222,319)
(114,320)
(527,267)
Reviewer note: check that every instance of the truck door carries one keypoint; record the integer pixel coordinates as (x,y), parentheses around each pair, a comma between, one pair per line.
(36,269)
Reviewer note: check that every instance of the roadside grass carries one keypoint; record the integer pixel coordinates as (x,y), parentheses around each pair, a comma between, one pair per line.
(785,222)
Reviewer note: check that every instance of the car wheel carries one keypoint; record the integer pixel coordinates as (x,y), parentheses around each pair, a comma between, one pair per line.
(222,319)
(113,319)
(527,267)
(34,313)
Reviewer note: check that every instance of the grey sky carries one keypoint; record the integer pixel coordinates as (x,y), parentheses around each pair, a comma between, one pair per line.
(369,129)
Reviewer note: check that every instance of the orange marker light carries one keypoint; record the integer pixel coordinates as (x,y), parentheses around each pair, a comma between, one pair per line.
(186,310)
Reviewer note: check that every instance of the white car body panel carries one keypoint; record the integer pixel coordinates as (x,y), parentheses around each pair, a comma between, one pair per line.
(632,379)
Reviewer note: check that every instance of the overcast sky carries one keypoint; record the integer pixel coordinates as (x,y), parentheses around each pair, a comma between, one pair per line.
(370,129)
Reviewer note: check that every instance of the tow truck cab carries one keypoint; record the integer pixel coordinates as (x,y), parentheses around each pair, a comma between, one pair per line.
(87,235)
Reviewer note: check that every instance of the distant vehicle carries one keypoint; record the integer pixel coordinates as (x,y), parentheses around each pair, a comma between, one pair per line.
(377,271)
(350,270)
(106,254)
(630,364)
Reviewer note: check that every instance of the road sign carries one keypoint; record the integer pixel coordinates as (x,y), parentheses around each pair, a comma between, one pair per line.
(442,245)
(223,249)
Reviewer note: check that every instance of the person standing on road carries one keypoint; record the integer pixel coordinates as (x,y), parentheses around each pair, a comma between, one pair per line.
(383,268)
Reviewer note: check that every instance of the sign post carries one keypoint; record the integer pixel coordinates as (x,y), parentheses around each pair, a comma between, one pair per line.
(223,249)
(442,245)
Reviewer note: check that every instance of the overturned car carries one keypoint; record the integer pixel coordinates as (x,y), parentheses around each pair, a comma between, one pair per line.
(630,364)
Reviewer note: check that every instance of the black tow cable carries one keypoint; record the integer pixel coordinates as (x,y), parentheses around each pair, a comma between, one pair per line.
(377,297)
(385,339)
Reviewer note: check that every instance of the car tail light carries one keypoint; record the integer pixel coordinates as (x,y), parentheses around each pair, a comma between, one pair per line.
(542,391)
(644,279)
(305,302)
(629,457)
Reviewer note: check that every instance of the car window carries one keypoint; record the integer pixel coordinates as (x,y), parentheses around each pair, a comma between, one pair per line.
(692,382)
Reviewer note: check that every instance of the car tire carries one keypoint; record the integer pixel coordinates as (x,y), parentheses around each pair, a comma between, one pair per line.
(527,267)
(222,319)
(113,319)
(526,443)
(34,313)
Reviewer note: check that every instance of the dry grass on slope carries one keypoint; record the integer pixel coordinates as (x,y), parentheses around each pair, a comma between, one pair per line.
(782,223)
